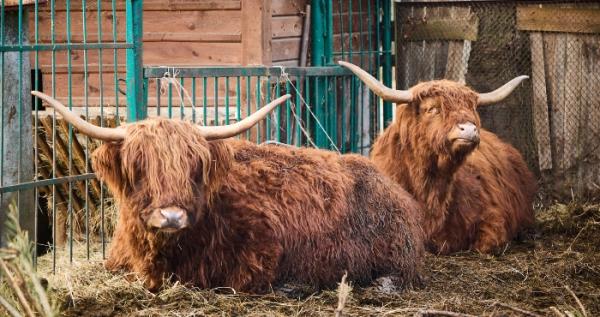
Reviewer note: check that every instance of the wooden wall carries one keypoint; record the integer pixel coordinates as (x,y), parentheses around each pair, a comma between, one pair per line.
(176,33)
(287,27)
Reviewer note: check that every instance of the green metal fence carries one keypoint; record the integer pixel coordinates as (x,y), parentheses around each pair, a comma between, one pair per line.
(39,168)
(192,94)
(45,166)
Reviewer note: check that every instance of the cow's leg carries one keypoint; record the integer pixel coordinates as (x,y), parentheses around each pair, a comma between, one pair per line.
(492,233)
(256,268)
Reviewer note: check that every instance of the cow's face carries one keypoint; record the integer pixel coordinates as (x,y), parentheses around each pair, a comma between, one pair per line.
(159,172)
(446,119)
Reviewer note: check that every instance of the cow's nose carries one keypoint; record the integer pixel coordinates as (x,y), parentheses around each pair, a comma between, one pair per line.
(172,216)
(468,131)
(169,219)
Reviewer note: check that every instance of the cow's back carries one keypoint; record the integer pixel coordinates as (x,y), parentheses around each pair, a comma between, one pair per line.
(334,213)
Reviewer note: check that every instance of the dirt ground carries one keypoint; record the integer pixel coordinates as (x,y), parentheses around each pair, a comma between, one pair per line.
(555,271)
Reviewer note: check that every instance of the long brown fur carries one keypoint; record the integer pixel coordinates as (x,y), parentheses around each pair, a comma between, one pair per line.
(263,215)
(473,201)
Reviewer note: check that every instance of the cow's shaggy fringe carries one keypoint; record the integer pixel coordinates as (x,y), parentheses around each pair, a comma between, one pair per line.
(529,278)
(473,200)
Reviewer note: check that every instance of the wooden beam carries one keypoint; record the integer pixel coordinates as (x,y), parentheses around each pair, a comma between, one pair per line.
(558,19)
(541,121)
(157,5)
(441,29)
(256,32)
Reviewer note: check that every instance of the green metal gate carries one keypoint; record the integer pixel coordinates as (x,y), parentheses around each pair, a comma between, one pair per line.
(42,36)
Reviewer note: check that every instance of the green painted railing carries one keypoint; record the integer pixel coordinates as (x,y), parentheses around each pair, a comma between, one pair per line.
(218,95)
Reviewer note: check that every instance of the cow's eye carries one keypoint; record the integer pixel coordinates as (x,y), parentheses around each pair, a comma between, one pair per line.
(433,110)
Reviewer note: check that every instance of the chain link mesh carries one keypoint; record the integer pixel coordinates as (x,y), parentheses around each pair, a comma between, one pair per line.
(553,119)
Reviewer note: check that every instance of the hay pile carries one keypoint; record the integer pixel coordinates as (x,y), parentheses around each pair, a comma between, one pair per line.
(555,272)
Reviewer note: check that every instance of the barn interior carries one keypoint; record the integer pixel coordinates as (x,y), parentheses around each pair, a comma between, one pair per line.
(216,62)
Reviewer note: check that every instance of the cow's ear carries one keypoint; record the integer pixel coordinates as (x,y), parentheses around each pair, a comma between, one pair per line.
(106,162)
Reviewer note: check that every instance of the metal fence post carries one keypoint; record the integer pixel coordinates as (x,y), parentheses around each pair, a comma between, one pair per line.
(136,108)
(387,58)
(322,55)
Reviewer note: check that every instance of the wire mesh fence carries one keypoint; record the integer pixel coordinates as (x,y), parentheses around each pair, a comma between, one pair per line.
(553,118)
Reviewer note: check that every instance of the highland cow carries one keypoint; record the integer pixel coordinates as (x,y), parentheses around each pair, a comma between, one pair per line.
(214,212)
(476,190)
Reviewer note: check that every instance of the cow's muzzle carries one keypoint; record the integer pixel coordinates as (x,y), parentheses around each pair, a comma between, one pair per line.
(169,219)
(464,132)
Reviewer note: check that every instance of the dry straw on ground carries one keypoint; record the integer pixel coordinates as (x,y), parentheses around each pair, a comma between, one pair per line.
(554,272)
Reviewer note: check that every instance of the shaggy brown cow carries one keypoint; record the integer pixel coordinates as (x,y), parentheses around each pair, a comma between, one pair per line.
(229,213)
(477,190)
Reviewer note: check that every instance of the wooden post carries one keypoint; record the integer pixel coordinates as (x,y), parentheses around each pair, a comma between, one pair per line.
(256,50)
(17,154)
(256,32)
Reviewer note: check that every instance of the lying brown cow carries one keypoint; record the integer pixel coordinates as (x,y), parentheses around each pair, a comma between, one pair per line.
(215,212)
(477,190)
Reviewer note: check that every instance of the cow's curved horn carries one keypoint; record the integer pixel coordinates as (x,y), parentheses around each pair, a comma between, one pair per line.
(93,131)
(227,131)
(500,93)
(386,93)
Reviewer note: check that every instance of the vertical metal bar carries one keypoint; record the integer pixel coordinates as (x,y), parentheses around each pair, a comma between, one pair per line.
(248,101)
(170,100)
(226,99)
(70,137)
(298,111)
(87,143)
(258,80)
(54,209)
(268,99)
(341,21)
(116,63)
(344,80)
(238,101)
(158,95)
(35,130)
(318,29)
(278,113)
(194,99)
(182,101)
(101,83)
(134,11)
(288,121)
(204,100)
(216,98)
(387,59)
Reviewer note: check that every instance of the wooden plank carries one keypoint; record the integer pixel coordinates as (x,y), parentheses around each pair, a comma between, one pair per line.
(305,36)
(591,99)
(558,19)
(286,49)
(555,45)
(286,26)
(155,53)
(17,157)
(433,28)
(288,7)
(256,32)
(573,82)
(540,102)
(457,62)
(154,5)
(198,26)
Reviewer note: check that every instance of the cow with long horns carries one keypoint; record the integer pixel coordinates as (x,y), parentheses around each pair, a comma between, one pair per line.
(215,212)
(476,189)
